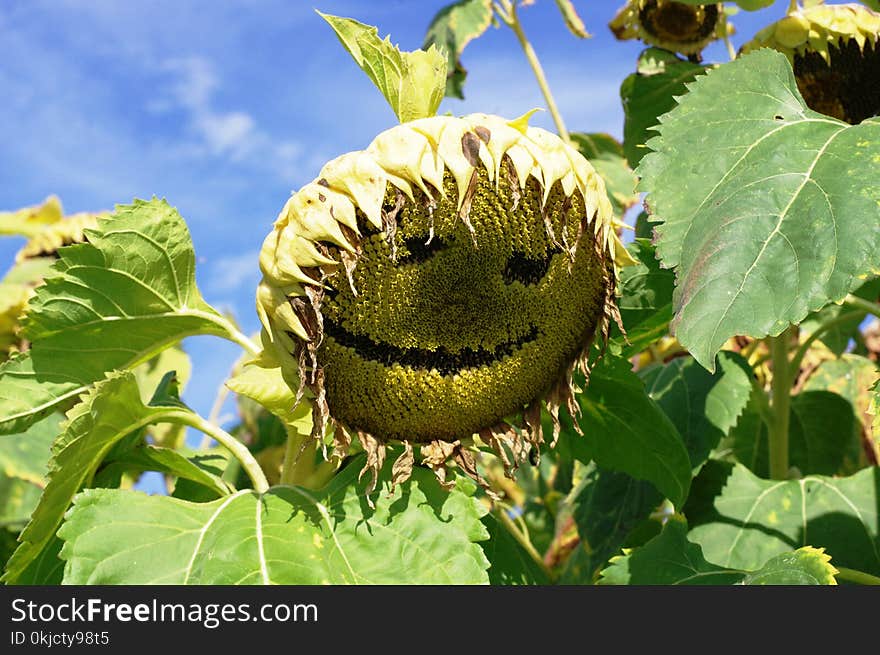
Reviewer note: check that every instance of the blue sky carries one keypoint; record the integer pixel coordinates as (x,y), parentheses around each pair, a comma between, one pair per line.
(224,108)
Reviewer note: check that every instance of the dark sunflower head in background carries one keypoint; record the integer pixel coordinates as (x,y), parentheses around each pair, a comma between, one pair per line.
(670,25)
(443,283)
(835,55)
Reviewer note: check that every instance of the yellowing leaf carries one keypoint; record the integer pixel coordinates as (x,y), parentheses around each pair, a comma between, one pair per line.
(30,221)
(412,82)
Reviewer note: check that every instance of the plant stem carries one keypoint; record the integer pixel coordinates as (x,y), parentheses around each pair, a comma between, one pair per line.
(780,394)
(792,6)
(862,304)
(859,577)
(522,540)
(299,456)
(234,334)
(238,449)
(507,12)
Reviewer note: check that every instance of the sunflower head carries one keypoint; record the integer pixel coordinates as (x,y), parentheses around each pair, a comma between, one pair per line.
(49,230)
(674,26)
(835,55)
(442,283)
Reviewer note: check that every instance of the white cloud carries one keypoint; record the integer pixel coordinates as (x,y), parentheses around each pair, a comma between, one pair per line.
(232,134)
(232,272)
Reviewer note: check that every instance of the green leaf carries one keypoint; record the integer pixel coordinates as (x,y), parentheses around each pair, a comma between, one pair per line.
(572,20)
(873,4)
(451,29)
(653,90)
(703,406)
(412,82)
(23,465)
(186,464)
(805,566)
(509,564)
(109,412)
(260,379)
(759,201)
(851,377)
(46,569)
(30,221)
(26,456)
(671,559)
(18,498)
(668,559)
(625,430)
(645,300)
(606,155)
(149,375)
(113,303)
(754,5)
(755,519)
(822,436)
(607,506)
(419,534)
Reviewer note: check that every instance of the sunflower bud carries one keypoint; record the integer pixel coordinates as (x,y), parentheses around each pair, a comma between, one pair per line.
(836,59)
(442,283)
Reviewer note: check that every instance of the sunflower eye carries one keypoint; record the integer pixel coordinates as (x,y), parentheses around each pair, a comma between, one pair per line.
(526,270)
(420,250)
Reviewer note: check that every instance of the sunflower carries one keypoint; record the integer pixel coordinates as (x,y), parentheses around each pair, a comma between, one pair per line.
(444,283)
(49,230)
(835,55)
(673,26)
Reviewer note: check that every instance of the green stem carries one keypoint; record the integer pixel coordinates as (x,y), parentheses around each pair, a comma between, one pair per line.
(859,577)
(238,449)
(522,540)
(864,305)
(299,458)
(780,394)
(235,335)
(506,10)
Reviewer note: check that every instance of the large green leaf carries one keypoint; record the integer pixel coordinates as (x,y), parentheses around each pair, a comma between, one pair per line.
(113,303)
(670,559)
(452,29)
(26,455)
(412,82)
(756,519)
(822,436)
(805,566)
(606,155)
(703,406)
(607,506)
(189,465)
(645,300)
(768,210)
(625,430)
(419,534)
(660,78)
(112,410)
(509,564)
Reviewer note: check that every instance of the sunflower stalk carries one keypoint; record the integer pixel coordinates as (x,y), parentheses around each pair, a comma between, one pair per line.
(780,404)
(506,11)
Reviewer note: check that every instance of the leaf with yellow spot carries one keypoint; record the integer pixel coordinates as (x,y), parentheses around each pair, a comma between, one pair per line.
(288,535)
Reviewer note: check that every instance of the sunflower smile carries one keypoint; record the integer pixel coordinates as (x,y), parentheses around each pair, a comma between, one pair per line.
(445,362)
